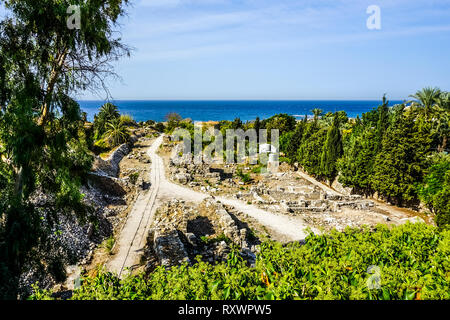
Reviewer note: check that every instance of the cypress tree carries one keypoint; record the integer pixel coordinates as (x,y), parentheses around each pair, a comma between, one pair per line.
(356,166)
(382,123)
(257,126)
(332,150)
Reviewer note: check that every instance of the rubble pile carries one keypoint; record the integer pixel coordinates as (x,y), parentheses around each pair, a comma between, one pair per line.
(182,231)
(303,199)
(186,173)
(73,242)
(285,191)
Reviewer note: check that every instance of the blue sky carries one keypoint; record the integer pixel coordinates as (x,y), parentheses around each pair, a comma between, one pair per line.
(283,49)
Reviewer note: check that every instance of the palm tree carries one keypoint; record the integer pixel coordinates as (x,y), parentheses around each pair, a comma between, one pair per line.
(317,113)
(426,99)
(109,111)
(443,102)
(116,132)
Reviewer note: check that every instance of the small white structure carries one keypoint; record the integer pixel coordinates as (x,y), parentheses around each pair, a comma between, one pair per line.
(273,156)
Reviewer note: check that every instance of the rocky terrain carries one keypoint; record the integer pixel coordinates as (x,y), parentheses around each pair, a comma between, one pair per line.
(111,189)
(203,211)
(183,230)
(286,191)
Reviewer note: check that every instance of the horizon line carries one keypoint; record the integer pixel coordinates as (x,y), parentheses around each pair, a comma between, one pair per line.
(218,99)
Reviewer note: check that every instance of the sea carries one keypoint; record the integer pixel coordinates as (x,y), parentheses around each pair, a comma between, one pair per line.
(215,110)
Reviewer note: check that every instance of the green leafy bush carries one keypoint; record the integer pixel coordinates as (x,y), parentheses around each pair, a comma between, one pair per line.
(160,127)
(219,238)
(127,120)
(413,262)
(245,177)
(108,244)
(435,189)
(134,177)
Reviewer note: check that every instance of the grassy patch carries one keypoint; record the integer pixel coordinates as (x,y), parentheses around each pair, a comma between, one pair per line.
(134,177)
(245,177)
(219,238)
(108,245)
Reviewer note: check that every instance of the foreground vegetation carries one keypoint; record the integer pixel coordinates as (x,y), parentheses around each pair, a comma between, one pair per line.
(413,262)
(44,148)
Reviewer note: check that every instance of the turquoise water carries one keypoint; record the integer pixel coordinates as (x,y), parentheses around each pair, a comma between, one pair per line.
(229,110)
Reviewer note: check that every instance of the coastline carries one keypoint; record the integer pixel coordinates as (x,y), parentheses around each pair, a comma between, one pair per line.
(214,110)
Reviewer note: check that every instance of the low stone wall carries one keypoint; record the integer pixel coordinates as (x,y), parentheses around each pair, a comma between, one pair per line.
(181,231)
(336,185)
(107,184)
(168,246)
(110,166)
(331,203)
(229,227)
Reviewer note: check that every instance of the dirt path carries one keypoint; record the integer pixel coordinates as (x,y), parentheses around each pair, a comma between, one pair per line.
(133,235)
(291,228)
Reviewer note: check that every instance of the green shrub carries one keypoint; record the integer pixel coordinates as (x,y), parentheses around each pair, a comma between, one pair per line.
(127,119)
(245,177)
(134,177)
(219,238)
(257,169)
(108,244)
(284,159)
(160,127)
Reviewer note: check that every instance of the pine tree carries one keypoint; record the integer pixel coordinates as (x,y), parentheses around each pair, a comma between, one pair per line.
(308,155)
(257,127)
(382,123)
(356,166)
(399,167)
(295,141)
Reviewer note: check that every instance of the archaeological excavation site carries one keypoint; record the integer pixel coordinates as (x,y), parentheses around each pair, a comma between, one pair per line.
(156,208)
(222,206)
